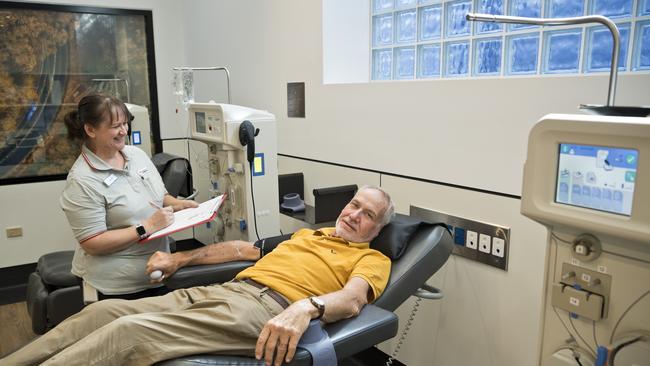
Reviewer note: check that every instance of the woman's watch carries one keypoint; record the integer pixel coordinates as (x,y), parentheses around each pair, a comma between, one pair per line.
(142,232)
(319,304)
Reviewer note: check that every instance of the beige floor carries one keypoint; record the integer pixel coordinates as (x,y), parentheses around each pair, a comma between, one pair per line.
(15,328)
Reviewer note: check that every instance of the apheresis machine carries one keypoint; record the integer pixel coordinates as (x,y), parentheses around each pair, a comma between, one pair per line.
(242,162)
(587,179)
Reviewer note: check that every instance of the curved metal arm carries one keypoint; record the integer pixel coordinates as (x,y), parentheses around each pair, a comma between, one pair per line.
(222,68)
(193,195)
(613,73)
(429,293)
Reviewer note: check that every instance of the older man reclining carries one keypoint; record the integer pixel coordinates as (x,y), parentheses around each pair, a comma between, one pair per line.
(328,274)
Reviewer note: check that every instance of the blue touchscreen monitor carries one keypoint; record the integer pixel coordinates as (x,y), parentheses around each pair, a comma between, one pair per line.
(597,177)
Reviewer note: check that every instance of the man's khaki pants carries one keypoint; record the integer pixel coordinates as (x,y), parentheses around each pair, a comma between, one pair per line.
(223,319)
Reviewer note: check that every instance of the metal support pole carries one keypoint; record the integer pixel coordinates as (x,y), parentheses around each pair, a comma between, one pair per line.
(613,73)
(225,69)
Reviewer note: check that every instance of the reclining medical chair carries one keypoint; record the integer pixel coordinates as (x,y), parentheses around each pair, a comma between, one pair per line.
(53,293)
(417,250)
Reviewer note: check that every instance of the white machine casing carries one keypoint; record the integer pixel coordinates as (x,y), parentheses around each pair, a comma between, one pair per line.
(540,171)
(230,172)
(142,125)
(622,267)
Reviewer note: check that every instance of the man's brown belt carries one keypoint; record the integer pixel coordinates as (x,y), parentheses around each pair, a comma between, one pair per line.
(272,293)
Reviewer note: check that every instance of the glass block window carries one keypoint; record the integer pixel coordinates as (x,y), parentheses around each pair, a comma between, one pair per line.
(456,58)
(455,23)
(405,26)
(522,51)
(424,39)
(525,8)
(405,3)
(644,8)
(382,30)
(429,60)
(404,62)
(642,46)
(489,7)
(562,51)
(430,22)
(487,54)
(599,48)
(382,64)
(564,8)
(382,5)
(611,8)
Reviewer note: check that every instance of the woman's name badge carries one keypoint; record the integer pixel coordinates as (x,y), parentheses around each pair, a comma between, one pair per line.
(108,181)
(142,172)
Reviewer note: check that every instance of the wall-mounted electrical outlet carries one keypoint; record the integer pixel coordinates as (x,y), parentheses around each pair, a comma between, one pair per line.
(484,243)
(14,231)
(472,239)
(498,247)
(475,240)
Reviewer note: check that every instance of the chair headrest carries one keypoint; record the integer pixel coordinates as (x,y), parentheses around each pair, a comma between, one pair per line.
(395,236)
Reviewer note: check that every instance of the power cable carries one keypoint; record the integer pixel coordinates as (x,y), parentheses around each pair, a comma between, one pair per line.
(618,322)
(253,199)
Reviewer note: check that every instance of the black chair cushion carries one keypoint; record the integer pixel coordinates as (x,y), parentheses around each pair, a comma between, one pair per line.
(55,269)
(395,236)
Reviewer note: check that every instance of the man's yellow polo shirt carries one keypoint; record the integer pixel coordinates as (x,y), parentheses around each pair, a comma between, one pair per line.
(314,263)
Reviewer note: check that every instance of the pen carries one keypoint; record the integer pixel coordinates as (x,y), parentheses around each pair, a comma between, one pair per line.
(154,205)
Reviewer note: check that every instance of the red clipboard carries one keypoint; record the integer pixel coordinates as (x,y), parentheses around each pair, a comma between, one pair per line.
(190,217)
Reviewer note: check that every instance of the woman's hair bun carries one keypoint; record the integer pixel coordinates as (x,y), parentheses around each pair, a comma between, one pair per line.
(74,125)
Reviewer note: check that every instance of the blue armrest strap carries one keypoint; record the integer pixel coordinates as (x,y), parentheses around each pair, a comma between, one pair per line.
(318,343)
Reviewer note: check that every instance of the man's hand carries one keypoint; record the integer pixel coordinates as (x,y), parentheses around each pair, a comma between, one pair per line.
(282,333)
(164,262)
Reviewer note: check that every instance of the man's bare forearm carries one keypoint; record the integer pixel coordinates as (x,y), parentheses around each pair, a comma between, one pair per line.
(346,302)
(218,253)
(341,304)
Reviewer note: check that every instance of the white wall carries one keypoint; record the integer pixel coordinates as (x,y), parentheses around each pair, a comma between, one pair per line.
(470,132)
(35,206)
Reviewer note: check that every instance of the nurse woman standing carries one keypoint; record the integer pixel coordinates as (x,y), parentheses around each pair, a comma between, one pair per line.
(113,198)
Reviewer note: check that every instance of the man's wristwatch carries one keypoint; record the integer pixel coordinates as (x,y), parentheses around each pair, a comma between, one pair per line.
(319,304)
(142,232)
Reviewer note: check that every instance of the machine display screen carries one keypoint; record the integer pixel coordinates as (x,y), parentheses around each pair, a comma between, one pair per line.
(199,117)
(597,177)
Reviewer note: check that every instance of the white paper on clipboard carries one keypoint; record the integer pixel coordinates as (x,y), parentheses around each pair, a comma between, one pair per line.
(190,217)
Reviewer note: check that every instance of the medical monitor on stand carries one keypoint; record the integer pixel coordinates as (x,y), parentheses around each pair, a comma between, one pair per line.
(587,179)
(248,212)
(588,172)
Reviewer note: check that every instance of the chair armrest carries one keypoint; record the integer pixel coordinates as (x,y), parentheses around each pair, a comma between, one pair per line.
(373,325)
(206,274)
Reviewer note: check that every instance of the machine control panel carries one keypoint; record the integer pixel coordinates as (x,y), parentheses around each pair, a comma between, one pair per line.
(207,122)
(582,291)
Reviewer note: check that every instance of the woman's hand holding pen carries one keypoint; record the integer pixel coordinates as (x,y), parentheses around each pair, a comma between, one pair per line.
(163,217)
